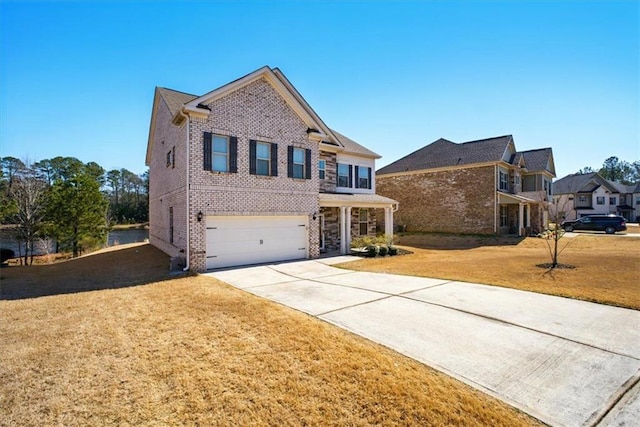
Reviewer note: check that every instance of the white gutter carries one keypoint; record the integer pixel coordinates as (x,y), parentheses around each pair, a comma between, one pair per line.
(187,266)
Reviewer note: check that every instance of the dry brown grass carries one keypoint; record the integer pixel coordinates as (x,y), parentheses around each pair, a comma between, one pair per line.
(192,350)
(607,268)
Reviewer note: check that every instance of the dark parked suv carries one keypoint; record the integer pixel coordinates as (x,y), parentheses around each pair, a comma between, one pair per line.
(607,223)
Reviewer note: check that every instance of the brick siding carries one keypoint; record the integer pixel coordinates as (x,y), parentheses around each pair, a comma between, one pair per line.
(451,201)
(255,111)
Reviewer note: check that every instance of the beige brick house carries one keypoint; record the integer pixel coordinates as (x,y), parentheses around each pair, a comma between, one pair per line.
(476,187)
(248,173)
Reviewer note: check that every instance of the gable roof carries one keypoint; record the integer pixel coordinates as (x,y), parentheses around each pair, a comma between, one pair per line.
(180,104)
(586,182)
(444,153)
(174,99)
(539,160)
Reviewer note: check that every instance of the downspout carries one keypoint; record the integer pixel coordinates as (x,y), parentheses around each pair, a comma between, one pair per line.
(187,251)
(495,200)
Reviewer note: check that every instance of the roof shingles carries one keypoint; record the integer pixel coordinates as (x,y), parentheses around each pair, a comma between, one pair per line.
(444,153)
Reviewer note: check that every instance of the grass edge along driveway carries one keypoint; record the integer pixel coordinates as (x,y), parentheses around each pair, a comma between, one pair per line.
(192,350)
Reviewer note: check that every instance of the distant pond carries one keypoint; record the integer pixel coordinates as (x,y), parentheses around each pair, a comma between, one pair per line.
(116,237)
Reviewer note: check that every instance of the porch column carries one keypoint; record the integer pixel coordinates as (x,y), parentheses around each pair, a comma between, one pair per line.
(388,223)
(348,230)
(343,238)
(520,218)
(529,216)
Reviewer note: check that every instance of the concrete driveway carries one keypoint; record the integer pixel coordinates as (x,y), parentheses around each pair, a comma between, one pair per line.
(566,362)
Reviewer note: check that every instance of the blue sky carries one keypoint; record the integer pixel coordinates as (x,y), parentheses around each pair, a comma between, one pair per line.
(77,78)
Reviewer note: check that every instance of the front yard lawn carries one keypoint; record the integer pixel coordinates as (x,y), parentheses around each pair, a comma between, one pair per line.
(194,351)
(607,268)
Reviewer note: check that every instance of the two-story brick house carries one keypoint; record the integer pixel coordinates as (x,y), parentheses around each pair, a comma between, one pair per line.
(578,195)
(248,173)
(477,187)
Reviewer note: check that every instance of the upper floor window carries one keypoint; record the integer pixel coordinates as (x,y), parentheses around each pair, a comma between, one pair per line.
(298,163)
(637,200)
(504,181)
(263,158)
(363,176)
(322,168)
(344,175)
(547,187)
(582,199)
(613,201)
(220,153)
(600,200)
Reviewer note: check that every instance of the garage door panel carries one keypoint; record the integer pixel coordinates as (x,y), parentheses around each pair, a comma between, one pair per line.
(241,240)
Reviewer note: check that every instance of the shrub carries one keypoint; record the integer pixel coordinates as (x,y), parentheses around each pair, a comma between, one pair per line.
(372,251)
(383,250)
(392,250)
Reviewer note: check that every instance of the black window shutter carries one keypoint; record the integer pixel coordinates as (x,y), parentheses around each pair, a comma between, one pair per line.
(207,151)
(357,183)
(307,163)
(370,183)
(290,161)
(274,159)
(233,154)
(252,156)
(350,176)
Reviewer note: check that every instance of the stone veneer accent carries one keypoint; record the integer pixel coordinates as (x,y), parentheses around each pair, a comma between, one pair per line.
(449,201)
(328,184)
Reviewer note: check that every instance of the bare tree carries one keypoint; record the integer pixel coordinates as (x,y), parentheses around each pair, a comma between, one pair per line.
(555,233)
(28,191)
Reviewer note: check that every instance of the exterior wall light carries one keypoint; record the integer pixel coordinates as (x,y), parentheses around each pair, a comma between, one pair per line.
(199,216)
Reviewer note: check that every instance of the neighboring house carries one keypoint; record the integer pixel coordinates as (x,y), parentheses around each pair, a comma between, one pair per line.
(248,173)
(477,187)
(578,195)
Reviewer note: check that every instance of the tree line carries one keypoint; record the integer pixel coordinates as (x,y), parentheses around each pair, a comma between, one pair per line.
(617,170)
(68,202)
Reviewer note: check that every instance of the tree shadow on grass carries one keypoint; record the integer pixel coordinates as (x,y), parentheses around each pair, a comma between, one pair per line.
(445,241)
(119,268)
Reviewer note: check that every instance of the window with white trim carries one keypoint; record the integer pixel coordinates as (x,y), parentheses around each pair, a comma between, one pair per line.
(344,175)
(263,158)
(504,181)
(504,216)
(322,168)
(363,221)
(220,153)
(600,200)
(613,200)
(298,162)
(363,177)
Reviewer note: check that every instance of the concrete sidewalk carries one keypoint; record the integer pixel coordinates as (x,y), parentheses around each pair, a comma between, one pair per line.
(566,362)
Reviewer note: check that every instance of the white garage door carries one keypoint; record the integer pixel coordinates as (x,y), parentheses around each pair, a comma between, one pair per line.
(240,240)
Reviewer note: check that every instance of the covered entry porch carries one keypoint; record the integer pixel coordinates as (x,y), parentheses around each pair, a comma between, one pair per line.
(345,216)
(519,215)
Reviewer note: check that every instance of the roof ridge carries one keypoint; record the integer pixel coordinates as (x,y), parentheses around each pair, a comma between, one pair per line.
(485,139)
(177,91)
